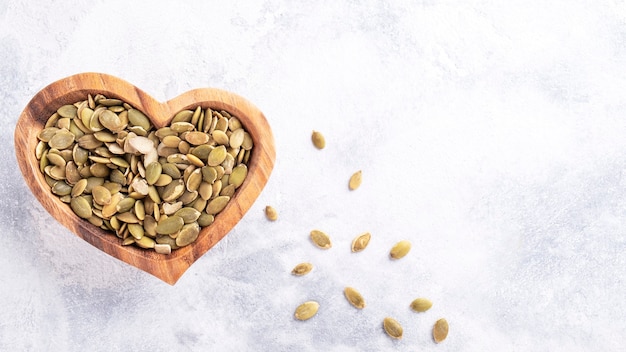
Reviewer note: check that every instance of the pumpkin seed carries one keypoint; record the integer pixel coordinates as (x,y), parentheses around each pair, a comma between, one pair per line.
(302,269)
(163,248)
(217,204)
(153,172)
(306,310)
(61,140)
(101,195)
(354,297)
(421,304)
(217,156)
(392,328)
(361,242)
(320,239)
(170,225)
(68,111)
(400,249)
(355,180)
(188,215)
(440,330)
(111,121)
(81,207)
(188,234)
(137,118)
(238,175)
(271,213)
(318,140)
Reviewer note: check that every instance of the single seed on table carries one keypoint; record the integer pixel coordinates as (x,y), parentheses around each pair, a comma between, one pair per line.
(320,239)
(318,140)
(271,213)
(302,269)
(354,297)
(306,310)
(400,249)
(355,180)
(421,304)
(392,328)
(361,242)
(440,330)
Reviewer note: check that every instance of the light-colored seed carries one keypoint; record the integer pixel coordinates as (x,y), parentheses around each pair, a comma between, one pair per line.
(205,190)
(172,191)
(220,137)
(440,330)
(270,213)
(318,140)
(136,230)
(400,249)
(236,138)
(181,127)
(421,304)
(354,297)
(321,239)
(302,269)
(194,160)
(145,242)
(360,242)
(355,180)
(392,328)
(306,310)
(197,138)
(163,248)
(79,188)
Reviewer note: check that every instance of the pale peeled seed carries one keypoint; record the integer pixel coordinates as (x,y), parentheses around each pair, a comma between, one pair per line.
(400,249)
(355,180)
(302,269)
(360,242)
(440,330)
(421,304)
(354,297)
(306,310)
(392,328)
(318,140)
(271,213)
(321,239)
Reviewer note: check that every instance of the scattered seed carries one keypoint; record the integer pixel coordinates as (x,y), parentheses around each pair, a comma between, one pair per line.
(440,330)
(307,310)
(271,213)
(320,239)
(354,297)
(318,140)
(302,269)
(392,328)
(355,180)
(421,305)
(361,242)
(400,249)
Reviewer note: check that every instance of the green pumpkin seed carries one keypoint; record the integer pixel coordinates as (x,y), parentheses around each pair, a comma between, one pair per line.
(220,137)
(197,138)
(68,111)
(217,204)
(101,195)
(81,207)
(145,242)
(137,118)
(205,219)
(153,172)
(111,121)
(217,156)
(170,225)
(238,175)
(136,230)
(183,116)
(188,234)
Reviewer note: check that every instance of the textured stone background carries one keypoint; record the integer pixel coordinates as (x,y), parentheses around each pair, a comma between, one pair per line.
(490,133)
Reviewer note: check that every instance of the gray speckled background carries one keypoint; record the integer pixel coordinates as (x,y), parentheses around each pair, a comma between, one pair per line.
(492,134)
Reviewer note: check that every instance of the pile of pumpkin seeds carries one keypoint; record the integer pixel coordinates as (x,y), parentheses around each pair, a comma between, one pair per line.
(320,239)
(153,188)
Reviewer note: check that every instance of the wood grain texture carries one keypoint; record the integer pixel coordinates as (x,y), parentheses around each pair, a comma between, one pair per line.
(168,268)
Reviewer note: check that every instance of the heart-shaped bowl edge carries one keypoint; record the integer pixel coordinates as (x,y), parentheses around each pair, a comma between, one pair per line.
(69,90)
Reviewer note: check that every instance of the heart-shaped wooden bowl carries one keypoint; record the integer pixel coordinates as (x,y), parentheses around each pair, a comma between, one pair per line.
(168,268)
